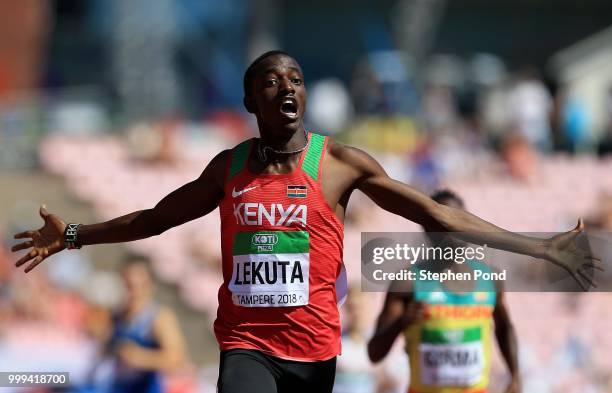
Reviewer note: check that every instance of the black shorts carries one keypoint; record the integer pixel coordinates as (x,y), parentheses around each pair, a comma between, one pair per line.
(250,371)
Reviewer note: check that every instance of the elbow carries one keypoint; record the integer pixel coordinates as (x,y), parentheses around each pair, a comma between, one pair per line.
(148,225)
(149,231)
(156,231)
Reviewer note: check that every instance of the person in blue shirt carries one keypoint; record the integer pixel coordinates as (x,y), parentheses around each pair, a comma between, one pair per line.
(145,338)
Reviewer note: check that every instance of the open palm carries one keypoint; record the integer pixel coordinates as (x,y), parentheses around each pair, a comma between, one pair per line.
(43,242)
(565,253)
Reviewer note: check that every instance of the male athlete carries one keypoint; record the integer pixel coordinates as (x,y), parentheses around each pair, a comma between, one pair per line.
(145,337)
(447,329)
(282,199)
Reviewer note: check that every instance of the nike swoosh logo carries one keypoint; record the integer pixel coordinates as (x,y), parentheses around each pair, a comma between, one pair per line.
(238,193)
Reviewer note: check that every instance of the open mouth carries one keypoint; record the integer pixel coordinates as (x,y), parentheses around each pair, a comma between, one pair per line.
(289,107)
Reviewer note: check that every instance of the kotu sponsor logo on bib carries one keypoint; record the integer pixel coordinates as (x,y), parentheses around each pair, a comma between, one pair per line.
(264,241)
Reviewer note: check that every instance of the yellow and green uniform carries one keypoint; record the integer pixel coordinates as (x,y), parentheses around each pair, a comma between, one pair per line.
(450,350)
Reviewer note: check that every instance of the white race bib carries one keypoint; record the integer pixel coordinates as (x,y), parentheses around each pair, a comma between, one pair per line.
(270,269)
(451,357)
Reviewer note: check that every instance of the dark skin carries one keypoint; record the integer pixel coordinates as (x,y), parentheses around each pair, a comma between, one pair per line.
(400,311)
(279,78)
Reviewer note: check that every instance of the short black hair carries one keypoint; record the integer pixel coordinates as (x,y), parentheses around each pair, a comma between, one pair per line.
(249,74)
(446,195)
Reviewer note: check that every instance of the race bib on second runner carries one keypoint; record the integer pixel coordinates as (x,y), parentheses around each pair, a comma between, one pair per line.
(451,357)
(270,269)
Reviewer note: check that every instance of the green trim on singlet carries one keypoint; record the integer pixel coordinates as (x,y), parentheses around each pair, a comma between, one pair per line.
(311,162)
(428,290)
(240,154)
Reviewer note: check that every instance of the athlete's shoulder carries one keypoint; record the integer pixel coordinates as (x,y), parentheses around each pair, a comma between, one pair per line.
(164,313)
(221,157)
(219,162)
(342,151)
(217,168)
(166,321)
(354,158)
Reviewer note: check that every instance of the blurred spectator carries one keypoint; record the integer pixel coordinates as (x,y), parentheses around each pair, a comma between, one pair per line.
(366,90)
(330,106)
(144,339)
(354,372)
(529,106)
(575,124)
(381,85)
(520,158)
(439,108)
(602,219)
(154,142)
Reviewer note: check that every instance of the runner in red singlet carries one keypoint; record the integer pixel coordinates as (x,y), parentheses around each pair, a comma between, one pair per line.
(282,252)
(282,199)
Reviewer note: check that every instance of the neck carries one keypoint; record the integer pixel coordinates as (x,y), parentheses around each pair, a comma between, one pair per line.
(280,149)
(136,304)
(288,138)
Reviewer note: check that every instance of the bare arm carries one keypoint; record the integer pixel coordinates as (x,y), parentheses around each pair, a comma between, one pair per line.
(398,313)
(191,201)
(401,199)
(506,339)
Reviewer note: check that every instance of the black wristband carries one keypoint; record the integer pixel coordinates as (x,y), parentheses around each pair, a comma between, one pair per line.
(71,241)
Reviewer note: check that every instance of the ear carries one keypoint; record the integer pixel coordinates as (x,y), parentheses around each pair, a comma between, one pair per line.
(249,104)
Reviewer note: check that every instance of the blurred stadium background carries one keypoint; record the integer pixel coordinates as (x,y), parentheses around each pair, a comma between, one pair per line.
(108,105)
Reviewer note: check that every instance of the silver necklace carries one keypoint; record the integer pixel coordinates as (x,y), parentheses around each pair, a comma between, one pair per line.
(263,156)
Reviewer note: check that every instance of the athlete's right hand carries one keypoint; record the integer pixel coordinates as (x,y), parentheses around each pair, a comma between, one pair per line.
(413,313)
(43,242)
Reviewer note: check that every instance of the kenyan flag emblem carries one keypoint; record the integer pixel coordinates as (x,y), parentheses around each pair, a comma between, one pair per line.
(296,191)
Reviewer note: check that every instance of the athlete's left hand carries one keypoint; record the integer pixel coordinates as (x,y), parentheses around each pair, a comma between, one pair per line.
(564,252)
(514,386)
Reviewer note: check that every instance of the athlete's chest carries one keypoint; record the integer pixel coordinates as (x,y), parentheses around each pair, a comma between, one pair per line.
(272,201)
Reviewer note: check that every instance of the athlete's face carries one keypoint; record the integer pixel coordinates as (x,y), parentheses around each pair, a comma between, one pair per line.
(137,280)
(278,95)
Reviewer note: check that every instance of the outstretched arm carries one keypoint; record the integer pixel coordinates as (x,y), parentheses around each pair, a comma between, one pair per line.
(191,201)
(401,199)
